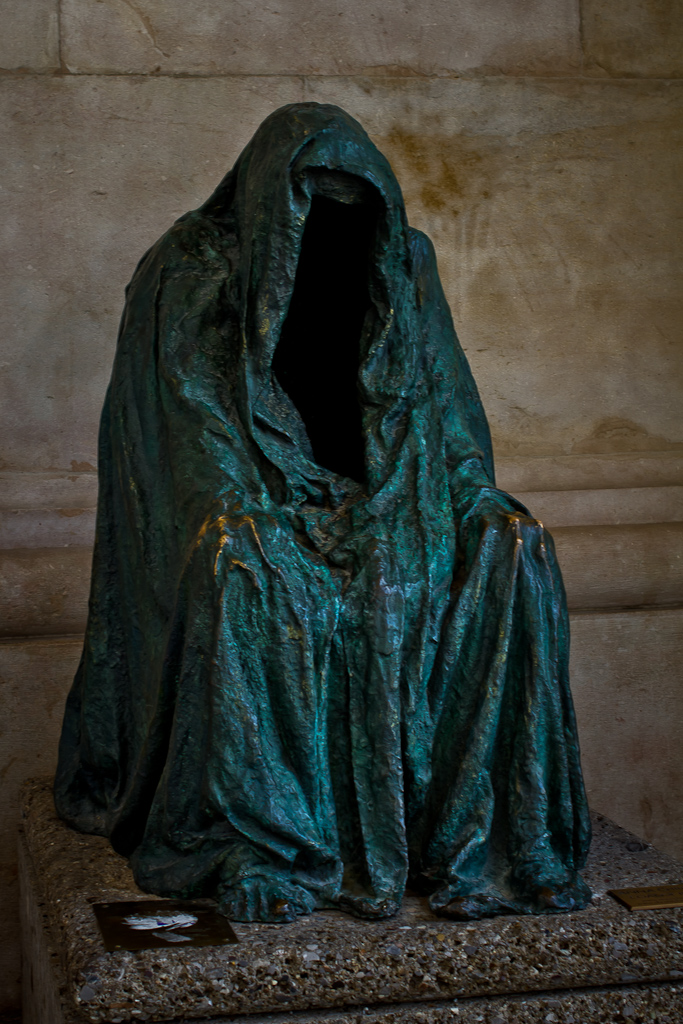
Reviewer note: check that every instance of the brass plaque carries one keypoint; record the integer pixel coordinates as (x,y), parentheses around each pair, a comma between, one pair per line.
(161,924)
(650,897)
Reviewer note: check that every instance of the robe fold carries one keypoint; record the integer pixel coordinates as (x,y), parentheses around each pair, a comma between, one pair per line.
(326,659)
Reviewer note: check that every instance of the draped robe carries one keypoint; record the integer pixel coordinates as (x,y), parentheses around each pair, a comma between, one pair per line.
(326,658)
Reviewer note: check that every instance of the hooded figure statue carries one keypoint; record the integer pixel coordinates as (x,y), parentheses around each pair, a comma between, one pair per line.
(326,659)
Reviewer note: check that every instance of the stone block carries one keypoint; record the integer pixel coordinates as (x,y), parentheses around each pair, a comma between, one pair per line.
(527,473)
(432,37)
(621,566)
(58,527)
(613,506)
(627,683)
(35,677)
(329,966)
(552,205)
(39,509)
(47,509)
(34,491)
(634,37)
(30,35)
(44,591)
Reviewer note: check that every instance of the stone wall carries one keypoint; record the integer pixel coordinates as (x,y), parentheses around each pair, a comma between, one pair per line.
(537,142)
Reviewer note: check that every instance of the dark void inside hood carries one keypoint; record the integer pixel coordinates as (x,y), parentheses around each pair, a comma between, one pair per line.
(327,319)
(318,356)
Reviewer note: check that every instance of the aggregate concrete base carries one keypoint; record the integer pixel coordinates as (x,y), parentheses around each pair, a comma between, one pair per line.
(604,964)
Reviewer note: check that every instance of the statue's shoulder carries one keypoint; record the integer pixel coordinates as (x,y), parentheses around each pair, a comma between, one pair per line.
(198,242)
(429,291)
(422,252)
(195,244)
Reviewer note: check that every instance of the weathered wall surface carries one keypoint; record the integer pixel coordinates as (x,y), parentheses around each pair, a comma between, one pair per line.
(537,142)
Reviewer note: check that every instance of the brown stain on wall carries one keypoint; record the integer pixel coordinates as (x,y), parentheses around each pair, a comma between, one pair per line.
(533,269)
(619,434)
(442,173)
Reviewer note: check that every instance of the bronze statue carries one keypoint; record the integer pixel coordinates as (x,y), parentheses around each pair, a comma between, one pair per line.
(326,658)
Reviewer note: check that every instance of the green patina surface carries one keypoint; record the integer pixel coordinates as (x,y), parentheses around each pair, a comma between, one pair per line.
(300,688)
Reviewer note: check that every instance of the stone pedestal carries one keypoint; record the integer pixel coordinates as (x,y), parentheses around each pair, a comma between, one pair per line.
(603,964)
